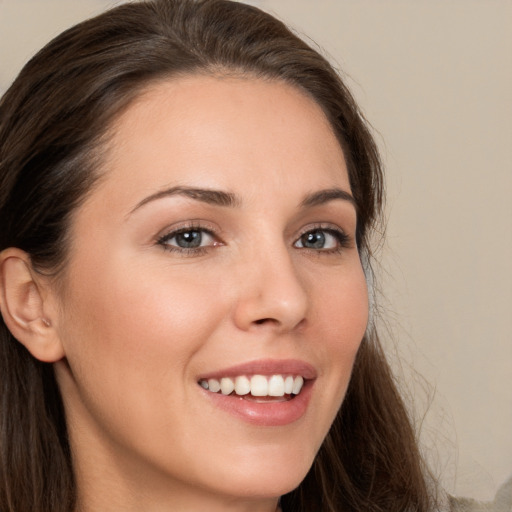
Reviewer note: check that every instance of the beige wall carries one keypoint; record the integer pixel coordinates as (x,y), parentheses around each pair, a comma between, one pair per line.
(435,79)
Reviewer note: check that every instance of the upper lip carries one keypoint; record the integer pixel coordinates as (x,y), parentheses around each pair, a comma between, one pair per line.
(265,367)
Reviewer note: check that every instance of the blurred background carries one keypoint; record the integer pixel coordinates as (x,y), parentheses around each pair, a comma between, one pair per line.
(434,78)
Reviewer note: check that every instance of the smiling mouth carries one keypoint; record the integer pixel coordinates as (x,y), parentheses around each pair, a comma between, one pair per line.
(257,388)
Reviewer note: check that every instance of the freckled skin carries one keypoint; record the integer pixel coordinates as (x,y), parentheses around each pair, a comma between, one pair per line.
(139,323)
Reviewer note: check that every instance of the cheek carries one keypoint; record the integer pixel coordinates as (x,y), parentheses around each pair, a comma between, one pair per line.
(342,310)
(130,343)
(130,330)
(341,319)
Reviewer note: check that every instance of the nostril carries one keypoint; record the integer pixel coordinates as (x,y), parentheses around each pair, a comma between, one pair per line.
(264,320)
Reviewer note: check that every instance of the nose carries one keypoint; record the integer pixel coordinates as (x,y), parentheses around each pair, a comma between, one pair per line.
(271,293)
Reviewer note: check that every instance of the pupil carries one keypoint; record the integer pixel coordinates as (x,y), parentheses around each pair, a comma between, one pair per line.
(314,240)
(189,239)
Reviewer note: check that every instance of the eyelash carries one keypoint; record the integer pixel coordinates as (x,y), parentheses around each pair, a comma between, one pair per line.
(344,241)
(163,241)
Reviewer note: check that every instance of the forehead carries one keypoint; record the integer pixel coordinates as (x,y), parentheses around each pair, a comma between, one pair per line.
(224,132)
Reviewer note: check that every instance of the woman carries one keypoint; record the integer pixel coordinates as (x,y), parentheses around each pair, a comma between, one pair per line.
(178,333)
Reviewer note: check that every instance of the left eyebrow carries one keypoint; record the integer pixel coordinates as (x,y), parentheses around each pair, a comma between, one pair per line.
(326,195)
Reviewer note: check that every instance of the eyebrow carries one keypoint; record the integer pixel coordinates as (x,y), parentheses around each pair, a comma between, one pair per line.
(209,196)
(326,195)
(228,199)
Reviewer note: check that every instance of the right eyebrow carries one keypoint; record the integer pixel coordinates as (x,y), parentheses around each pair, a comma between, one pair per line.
(205,195)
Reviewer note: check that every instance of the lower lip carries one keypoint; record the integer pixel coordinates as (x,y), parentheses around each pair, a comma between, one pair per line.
(269,414)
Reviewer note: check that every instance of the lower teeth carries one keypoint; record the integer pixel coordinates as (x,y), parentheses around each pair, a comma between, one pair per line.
(264,399)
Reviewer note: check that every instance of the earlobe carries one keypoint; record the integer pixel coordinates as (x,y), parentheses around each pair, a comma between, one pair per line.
(22,303)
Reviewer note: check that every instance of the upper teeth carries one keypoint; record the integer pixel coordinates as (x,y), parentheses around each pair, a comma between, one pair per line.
(257,385)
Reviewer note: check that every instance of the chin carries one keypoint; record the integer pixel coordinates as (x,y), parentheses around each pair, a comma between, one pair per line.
(267,486)
(267,476)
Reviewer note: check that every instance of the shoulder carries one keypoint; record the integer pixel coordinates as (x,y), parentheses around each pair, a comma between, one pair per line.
(502,502)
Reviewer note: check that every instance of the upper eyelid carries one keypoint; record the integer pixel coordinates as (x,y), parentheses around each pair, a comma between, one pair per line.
(194,225)
(325,226)
(199,226)
(178,231)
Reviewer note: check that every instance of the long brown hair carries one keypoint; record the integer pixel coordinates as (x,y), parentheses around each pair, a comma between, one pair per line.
(54,122)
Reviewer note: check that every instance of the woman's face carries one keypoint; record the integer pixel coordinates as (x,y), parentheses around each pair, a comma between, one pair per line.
(217,250)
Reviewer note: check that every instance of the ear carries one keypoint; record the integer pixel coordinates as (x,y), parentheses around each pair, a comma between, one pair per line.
(24,306)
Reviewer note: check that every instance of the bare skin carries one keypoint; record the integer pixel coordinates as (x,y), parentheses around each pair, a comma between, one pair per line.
(139,317)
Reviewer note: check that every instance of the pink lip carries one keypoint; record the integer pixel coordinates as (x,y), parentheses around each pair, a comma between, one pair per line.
(270,414)
(265,367)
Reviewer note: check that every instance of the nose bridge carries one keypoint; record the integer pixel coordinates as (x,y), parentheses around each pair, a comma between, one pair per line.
(271,290)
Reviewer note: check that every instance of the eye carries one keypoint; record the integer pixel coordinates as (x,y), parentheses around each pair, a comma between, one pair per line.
(323,239)
(188,239)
